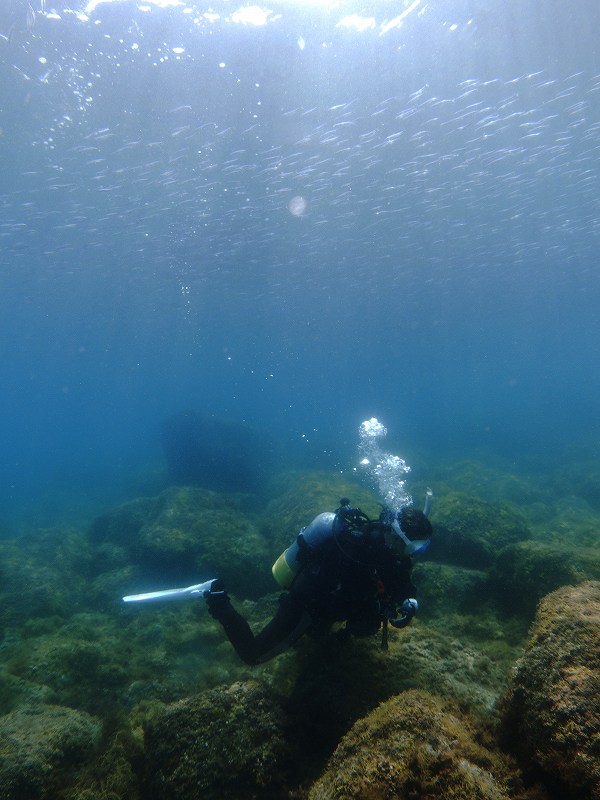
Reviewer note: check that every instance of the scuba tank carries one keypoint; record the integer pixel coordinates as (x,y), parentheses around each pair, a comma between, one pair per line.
(316,534)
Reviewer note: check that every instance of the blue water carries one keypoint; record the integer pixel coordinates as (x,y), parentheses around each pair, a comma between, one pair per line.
(388,209)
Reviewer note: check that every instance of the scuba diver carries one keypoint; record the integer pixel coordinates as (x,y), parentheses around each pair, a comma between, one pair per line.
(342,567)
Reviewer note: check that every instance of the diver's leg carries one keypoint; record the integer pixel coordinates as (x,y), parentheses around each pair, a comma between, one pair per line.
(288,624)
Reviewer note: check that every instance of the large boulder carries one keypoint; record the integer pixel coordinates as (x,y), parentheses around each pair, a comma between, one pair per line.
(341,681)
(553,711)
(527,571)
(470,532)
(445,589)
(226,744)
(191,534)
(44,575)
(414,745)
(40,747)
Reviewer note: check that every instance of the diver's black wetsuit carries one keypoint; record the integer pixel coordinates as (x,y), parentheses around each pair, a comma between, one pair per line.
(353,579)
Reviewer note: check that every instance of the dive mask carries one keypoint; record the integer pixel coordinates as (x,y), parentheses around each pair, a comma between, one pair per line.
(413,548)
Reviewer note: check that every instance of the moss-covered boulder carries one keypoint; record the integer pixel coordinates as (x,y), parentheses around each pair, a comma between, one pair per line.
(191,534)
(471,532)
(489,481)
(226,744)
(527,571)
(414,745)
(44,573)
(40,749)
(121,525)
(340,681)
(449,589)
(553,711)
(201,530)
(112,774)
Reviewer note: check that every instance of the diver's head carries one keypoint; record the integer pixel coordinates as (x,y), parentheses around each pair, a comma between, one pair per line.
(413,528)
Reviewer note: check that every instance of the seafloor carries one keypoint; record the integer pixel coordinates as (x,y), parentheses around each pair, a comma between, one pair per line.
(492,692)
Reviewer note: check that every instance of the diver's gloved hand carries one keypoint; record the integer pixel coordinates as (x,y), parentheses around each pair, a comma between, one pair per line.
(407,611)
(217,587)
(216,598)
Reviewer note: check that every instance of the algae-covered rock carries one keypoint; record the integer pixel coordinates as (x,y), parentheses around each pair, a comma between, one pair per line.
(581,478)
(199,530)
(40,746)
(414,745)
(84,663)
(111,775)
(553,711)
(527,571)
(471,532)
(226,744)
(44,574)
(121,524)
(192,534)
(342,681)
(488,481)
(446,588)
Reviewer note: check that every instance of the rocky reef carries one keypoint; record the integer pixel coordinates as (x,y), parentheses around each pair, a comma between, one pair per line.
(226,744)
(416,745)
(553,711)
(40,745)
(479,698)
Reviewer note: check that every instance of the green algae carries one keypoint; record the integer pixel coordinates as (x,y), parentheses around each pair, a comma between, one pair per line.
(552,713)
(40,746)
(415,745)
(227,744)
(471,532)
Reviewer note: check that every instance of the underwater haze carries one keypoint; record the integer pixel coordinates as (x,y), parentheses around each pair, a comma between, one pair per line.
(295,215)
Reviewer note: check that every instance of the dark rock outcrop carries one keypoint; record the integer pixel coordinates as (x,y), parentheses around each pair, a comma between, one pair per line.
(203,450)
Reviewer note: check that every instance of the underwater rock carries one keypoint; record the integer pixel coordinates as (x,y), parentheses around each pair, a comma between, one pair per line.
(444,587)
(188,534)
(84,663)
(414,745)
(120,525)
(484,480)
(40,747)
(553,711)
(471,532)
(111,775)
(527,571)
(580,478)
(202,450)
(45,574)
(340,681)
(225,744)
(200,533)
